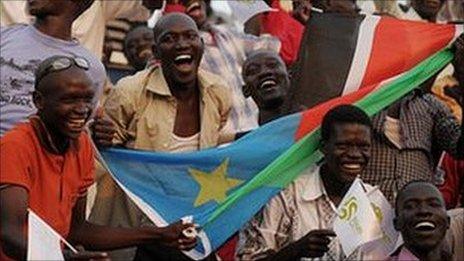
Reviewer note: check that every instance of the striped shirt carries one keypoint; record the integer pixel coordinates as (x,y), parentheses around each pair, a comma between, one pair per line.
(427,128)
(225,52)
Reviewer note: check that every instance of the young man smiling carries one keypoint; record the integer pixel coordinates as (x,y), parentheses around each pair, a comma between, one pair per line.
(47,166)
(173,107)
(298,222)
(267,82)
(422,220)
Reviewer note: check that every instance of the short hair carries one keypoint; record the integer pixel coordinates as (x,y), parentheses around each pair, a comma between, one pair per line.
(159,26)
(131,32)
(343,114)
(401,192)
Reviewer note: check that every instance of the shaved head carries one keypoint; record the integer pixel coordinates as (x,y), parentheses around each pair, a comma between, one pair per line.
(169,20)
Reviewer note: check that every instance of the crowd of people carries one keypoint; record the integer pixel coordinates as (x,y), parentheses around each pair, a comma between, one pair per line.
(197,83)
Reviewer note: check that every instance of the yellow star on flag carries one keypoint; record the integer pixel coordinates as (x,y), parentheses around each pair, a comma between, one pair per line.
(214,185)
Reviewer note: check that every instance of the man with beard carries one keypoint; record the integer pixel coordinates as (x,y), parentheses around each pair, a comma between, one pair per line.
(298,222)
(422,220)
(173,107)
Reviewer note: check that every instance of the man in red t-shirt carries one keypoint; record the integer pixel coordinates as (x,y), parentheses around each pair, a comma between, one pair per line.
(47,164)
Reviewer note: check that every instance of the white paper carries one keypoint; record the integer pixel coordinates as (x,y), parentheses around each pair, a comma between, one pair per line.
(43,241)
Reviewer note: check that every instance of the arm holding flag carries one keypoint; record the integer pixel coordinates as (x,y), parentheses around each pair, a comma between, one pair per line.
(93,236)
(442,130)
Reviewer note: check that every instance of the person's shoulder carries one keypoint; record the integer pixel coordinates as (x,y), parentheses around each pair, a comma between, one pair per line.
(20,137)
(95,63)
(215,86)
(12,30)
(134,82)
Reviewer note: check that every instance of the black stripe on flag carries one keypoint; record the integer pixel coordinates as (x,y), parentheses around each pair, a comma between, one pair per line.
(324,59)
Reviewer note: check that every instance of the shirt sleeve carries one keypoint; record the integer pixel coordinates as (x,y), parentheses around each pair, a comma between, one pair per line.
(447,130)
(268,232)
(120,110)
(15,163)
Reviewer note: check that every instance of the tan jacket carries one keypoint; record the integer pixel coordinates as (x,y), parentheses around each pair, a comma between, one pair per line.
(144,110)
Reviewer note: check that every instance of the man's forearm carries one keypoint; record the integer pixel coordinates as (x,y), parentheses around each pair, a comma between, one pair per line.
(96,237)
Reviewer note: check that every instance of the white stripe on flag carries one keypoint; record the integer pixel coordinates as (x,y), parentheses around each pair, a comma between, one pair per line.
(459,30)
(153,215)
(362,54)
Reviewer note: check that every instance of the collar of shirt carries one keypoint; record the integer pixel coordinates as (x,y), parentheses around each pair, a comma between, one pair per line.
(156,83)
(45,137)
(405,255)
(313,188)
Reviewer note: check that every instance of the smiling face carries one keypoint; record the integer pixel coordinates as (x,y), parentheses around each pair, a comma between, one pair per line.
(421,216)
(179,48)
(138,46)
(347,150)
(65,102)
(266,79)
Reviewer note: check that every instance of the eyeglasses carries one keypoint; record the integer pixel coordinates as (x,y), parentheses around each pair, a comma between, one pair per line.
(60,64)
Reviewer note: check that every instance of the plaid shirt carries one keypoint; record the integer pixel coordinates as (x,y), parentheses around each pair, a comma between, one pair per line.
(427,128)
(225,52)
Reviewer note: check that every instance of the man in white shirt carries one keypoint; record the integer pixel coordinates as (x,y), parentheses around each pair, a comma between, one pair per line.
(298,222)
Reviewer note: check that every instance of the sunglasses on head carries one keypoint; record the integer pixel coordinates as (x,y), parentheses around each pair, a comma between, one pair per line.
(60,64)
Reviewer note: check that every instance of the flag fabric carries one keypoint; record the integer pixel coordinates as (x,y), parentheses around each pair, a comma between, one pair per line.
(384,213)
(243,10)
(356,223)
(44,243)
(222,188)
(343,54)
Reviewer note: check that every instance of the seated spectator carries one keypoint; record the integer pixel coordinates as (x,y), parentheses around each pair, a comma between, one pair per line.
(298,221)
(138,46)
(173,107)
(422,220)
(267,82)
(47,165)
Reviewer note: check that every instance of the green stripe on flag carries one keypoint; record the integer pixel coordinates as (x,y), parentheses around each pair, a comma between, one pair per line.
(305,152)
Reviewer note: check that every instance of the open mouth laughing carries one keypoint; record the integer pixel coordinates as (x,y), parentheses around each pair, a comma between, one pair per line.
(76,125)
(184,62)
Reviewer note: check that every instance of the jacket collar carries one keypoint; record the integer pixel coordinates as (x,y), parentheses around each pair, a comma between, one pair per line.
(156,83)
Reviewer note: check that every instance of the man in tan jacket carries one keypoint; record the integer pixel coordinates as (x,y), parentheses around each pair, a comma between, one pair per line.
(173,107)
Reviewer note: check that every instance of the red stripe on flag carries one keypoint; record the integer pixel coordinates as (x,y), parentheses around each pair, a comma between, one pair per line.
(399,45)
(312,118)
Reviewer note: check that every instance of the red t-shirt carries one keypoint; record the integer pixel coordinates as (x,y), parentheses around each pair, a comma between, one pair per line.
(54,182)
(288,30)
